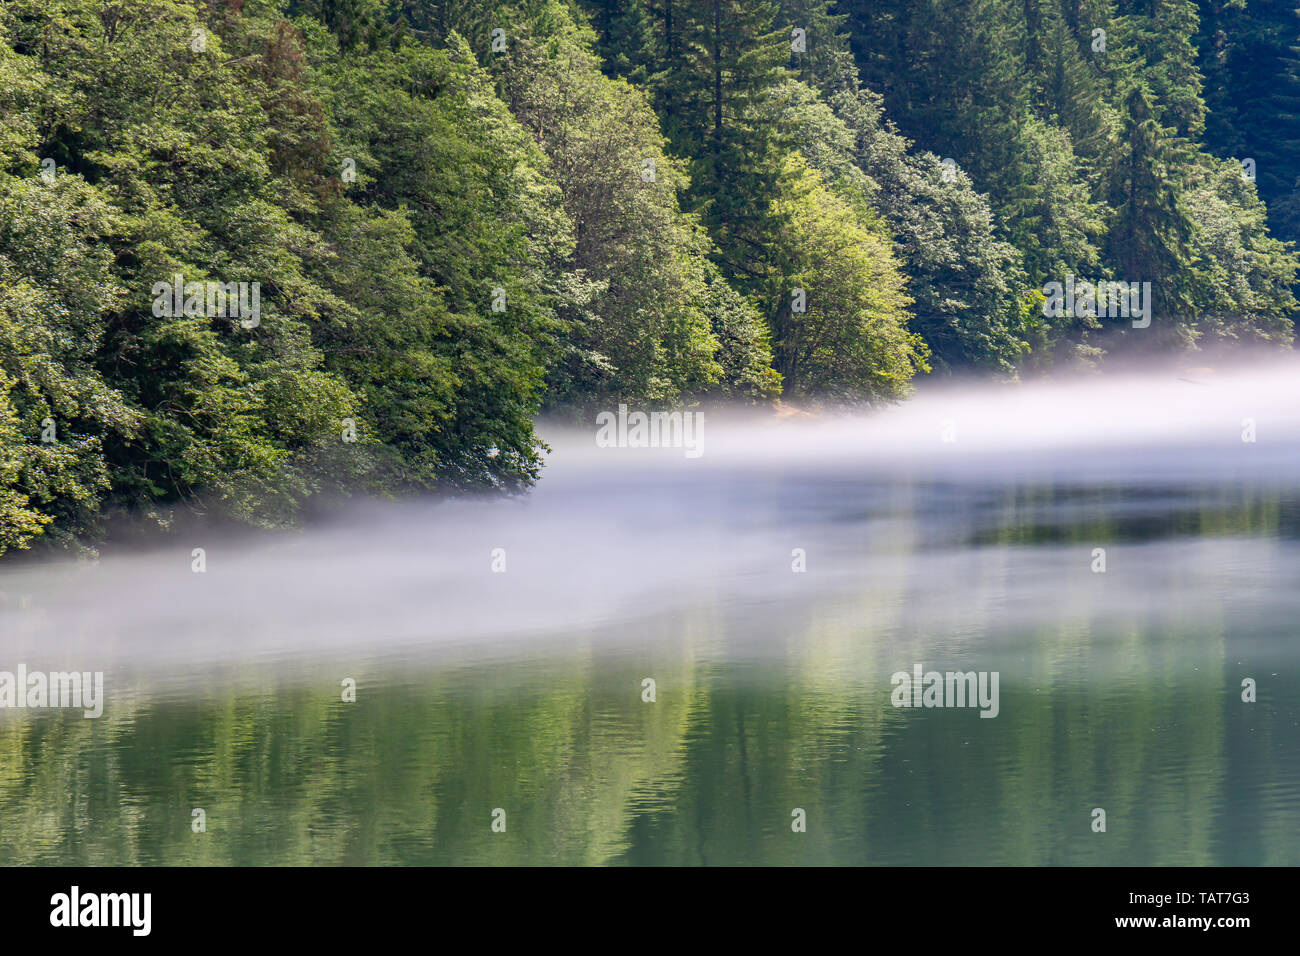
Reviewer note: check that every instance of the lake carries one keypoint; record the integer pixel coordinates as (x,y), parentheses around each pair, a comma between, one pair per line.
(1123,554)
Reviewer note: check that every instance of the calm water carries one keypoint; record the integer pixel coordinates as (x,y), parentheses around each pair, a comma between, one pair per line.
(522,690)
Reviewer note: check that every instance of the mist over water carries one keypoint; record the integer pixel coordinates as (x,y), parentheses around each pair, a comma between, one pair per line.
(956,530)
(614,534)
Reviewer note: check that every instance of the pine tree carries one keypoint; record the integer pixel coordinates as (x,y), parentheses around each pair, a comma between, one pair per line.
(1248,53)
(726,119)
(826,61)
(1149,236)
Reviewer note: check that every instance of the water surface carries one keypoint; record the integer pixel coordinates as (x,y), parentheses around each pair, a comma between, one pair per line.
(523,691)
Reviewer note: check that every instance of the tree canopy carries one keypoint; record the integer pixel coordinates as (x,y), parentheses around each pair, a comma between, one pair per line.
(453,216)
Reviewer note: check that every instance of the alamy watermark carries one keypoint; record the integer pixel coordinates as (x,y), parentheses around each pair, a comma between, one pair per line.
(1105,299)
(651,430)
(951,689)
(75,909)
(39,689)
(216,300)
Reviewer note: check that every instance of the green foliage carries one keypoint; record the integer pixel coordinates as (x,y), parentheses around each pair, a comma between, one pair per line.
(967,284)
(19,522)
(56,284)
(643,334)
(452,202)
(1246,290)
(1248,55)
(374,318)
(847,338)
(458,214)
(1083,121)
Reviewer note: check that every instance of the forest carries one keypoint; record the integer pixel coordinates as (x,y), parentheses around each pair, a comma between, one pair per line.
(256,254)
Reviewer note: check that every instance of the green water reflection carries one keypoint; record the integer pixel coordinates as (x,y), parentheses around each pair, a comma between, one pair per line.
(1136,710)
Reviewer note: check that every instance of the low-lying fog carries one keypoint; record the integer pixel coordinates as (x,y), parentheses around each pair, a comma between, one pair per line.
(911,503)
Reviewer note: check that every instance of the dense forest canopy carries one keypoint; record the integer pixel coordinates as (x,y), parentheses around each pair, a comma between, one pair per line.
(255,251)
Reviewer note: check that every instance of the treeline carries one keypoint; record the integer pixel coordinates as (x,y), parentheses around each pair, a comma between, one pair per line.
(448,216)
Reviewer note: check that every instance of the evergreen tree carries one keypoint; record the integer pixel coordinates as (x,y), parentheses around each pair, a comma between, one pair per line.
(1248,54)
(1150,232)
